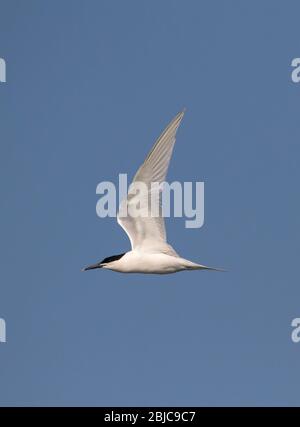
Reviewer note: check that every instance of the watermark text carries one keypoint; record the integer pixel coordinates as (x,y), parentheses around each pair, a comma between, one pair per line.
(2,71)
(296,331)
(2,331)
(153,200)
(295,75)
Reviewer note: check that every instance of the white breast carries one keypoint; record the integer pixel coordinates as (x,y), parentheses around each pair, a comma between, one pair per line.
(139,262)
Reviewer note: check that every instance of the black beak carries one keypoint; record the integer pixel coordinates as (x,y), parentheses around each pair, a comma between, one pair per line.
(92,267)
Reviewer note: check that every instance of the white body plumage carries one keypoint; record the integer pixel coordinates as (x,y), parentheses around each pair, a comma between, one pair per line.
(150,251)
(150,263)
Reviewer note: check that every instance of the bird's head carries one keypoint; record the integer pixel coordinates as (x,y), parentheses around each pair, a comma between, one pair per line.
(106,263)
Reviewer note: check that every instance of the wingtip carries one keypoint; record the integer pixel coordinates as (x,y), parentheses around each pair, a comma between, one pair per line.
(180,115)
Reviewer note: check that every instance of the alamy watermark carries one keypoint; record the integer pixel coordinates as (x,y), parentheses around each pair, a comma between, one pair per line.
(152,200)
(2,330)
(2,80)
(2,70)
(296,331)
(295,75)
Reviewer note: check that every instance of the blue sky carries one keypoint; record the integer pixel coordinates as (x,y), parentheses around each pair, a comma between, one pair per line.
(90,85)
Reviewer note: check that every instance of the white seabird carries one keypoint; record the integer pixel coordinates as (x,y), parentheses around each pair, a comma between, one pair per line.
(150,252)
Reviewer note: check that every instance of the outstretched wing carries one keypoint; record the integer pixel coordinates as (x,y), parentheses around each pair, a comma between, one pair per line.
(145,230)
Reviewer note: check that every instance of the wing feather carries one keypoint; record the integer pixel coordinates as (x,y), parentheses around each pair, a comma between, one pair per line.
(145,231)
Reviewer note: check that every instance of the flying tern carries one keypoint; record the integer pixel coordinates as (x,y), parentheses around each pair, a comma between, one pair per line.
(150,253)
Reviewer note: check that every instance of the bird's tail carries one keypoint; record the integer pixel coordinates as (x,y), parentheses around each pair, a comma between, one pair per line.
(193,266)
(204,267)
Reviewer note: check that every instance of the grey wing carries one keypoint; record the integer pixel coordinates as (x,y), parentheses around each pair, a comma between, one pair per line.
(145,231)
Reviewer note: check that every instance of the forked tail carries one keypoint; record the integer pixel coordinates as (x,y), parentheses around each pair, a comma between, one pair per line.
(193,266)
(204,267)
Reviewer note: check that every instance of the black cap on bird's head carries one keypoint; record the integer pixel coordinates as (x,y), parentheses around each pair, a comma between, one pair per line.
(104,262)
